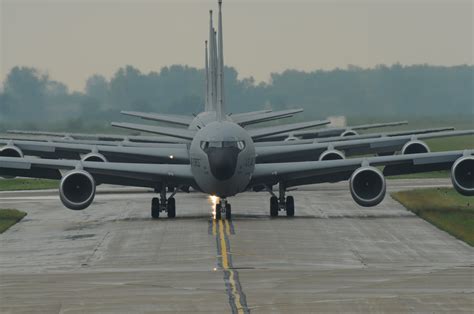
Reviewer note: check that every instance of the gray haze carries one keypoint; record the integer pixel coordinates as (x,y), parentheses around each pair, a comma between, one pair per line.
(73,39)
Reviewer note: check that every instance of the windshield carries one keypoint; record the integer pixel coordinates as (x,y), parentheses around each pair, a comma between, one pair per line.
(226,144)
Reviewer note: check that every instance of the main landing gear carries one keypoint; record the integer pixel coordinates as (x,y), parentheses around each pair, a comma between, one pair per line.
(163,204)
(223,207)
(281,203)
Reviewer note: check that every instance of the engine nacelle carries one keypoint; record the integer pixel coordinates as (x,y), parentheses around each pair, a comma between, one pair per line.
(332,154)
(462,175)
(349,133)
(11,151)
(368,186)
(77,189)
(415,147)
(96,157)
(291,138)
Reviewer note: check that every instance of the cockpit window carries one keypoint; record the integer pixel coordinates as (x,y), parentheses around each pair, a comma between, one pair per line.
(226,144)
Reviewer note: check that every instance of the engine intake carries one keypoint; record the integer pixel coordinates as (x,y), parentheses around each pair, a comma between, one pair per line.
(368,186)
(349,133)
(462,175)
(11,151)
(332,155)
(94,157)
(415,147)
(291,138)
(77,190)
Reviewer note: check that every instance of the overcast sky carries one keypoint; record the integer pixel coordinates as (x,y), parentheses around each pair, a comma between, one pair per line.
(73,39)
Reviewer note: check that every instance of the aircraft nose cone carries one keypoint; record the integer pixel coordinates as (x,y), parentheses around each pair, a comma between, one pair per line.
(223,162)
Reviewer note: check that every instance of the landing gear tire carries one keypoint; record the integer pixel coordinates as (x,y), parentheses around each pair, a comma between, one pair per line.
(273,206)
(155,208)
(171,207)
(218,212)
(290,206)
(228,212)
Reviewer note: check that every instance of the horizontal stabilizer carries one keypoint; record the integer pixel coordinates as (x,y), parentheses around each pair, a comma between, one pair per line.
(175,119)
(262,132)
(173,132)
(264,117)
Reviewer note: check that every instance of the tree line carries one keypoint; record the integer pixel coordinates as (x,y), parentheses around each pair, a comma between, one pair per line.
(32,98)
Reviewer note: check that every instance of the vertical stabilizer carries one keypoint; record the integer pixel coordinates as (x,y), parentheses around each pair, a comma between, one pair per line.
(207,104)
(220,109)
(212,66)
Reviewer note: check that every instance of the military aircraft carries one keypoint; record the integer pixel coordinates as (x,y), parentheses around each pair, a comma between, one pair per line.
(222,162)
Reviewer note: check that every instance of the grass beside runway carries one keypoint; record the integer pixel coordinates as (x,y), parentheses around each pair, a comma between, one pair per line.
(27,184)
(9,217)
(444,208)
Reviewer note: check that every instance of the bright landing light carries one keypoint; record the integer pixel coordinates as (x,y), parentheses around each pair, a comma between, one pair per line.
(213,200)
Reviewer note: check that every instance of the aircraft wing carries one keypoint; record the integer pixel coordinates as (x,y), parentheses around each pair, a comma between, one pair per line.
(264,117)
(177,154)
(311,172)
(262,132)
(307,152)
(101,137)
(175,119)
(354,137)
(330,131)
(127,174)
(173,132)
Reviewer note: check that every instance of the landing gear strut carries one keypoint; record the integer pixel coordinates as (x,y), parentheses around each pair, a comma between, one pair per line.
(163,204)
(223,207)
(286,203)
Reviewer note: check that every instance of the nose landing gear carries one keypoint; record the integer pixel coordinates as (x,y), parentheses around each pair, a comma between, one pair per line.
(163,204)
(281,203)
(223,207)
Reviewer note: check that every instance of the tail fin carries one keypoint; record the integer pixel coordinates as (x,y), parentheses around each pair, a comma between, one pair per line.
(220,108)
(212,66)
(207,101)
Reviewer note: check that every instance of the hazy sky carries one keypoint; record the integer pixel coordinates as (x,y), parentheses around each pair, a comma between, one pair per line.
(73,39)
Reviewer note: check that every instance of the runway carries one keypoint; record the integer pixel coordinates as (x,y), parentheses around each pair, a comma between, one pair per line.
(332,257)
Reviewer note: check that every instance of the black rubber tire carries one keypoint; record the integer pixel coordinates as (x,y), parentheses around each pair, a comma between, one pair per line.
(218,212)
(228,212)
(171,206)
(273,206)
(290,206)
(155,208)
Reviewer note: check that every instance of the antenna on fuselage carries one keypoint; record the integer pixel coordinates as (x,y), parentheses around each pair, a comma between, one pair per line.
(220,108)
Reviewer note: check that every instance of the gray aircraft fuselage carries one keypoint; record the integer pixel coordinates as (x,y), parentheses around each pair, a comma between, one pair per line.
(222,156)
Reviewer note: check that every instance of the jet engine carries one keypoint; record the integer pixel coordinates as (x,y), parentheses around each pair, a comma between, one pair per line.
(368,186)
(415,147)
(290,138)
(332,154)
(11,151)
(462,175)
(77,189)
(94,157)
(349,133)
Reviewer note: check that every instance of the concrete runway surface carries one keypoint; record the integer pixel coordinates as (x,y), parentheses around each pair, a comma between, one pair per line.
(333,257)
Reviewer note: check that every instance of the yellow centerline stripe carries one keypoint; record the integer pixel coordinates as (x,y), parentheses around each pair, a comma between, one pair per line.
(224,229)
(225,261)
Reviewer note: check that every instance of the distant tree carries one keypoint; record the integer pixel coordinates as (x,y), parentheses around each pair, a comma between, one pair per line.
(97,87)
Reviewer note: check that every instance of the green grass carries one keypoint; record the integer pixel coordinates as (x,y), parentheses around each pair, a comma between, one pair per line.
(27,184)
(444,208)
(9,217)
